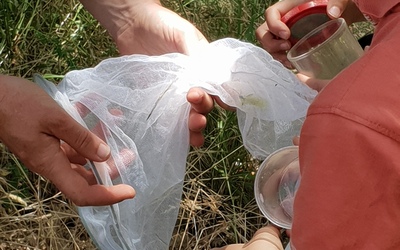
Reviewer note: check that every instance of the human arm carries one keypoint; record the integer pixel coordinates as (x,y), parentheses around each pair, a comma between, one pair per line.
(145,27)
(32,126)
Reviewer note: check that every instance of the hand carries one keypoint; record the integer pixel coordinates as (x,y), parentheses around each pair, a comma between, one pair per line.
(158,31)
(32,126)
(316,84)
(266,238)
(146,27)
(202,104)
(125,155)
(273,34)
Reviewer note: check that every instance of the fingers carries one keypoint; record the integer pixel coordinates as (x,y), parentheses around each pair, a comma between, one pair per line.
(201,105)
(346,9)
(77,188)
(100,129)
(200,101)
(79,138)
(72,155)
(85,173)
(126,157)
(275,46)
(197,123)
(273,16)
(335,8)
(82,109)
(296,140)
(222,104)
(316,84)
(34,137)
(274,34)
(265,238)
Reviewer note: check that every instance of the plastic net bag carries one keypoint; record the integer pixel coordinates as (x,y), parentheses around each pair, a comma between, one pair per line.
(138,105)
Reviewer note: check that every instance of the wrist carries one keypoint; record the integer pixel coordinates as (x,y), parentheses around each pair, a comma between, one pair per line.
(117,15)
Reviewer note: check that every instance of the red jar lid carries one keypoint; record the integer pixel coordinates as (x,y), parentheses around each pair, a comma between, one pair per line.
(304,18)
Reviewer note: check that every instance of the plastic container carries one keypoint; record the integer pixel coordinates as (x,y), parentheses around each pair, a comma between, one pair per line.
(304,18)
(276,182)
(326,50)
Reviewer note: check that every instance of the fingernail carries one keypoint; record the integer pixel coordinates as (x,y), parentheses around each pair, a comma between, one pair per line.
(284,35)
(103,151)
(334,11)
(196,94)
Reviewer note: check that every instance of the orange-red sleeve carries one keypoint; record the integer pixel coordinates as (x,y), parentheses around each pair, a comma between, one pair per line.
(349,196)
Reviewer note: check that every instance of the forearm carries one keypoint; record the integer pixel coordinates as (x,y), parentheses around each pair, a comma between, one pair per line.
(6,91)
(3,93)
(113,15)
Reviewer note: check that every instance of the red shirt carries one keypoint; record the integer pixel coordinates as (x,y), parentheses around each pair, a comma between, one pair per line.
(349,196)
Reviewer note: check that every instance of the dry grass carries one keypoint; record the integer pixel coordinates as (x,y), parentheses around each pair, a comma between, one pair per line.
(34,215)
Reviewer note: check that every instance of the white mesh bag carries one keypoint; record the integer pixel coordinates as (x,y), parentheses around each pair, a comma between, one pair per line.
(138,105)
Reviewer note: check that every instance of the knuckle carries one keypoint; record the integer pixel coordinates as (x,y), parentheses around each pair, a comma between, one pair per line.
(60,121)
(77,135)
(82,138)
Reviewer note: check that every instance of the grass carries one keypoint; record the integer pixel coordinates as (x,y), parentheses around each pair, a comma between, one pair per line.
(54,37)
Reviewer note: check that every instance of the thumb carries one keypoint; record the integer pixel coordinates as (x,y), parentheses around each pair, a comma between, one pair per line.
(335,8)
(79,138)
